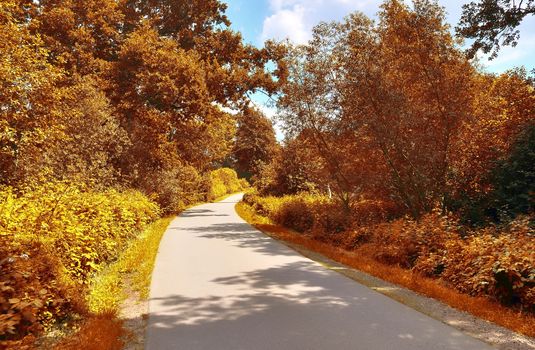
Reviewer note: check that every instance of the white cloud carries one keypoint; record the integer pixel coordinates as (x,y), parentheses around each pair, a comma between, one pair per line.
(287,24)
(294,19)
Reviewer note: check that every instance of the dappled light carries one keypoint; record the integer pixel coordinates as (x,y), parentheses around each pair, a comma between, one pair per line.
(129,130)
(264,293)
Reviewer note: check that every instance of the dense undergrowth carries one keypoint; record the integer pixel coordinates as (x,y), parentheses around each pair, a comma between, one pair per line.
(54,238)
(495,261)
(65,247)
(364,257)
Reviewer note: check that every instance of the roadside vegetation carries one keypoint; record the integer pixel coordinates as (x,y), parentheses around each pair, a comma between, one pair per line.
(369,257)
(404,159)
(72,253)
(115,115)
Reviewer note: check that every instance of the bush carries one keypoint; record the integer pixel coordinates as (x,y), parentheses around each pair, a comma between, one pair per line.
(497,261)
(174,189)
(303,212)
(221,182)
(52,239)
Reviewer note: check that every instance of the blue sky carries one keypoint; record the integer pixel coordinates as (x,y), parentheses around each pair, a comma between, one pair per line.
(259,20)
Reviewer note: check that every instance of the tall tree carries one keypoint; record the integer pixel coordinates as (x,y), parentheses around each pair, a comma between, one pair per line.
(159,72)
(412,92)
(255,143)
(29,100)
(396,92)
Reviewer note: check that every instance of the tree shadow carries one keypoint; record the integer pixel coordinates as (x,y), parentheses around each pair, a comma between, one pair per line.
(190,213)
(245,236)
(296,305)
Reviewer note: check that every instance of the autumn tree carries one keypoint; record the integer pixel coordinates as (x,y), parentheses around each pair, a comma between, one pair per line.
(295,167)
(310,107)
(255,143)
(493,23)
(504,107)
(153,79)
(83,37)
(396,92)
(93,144)
(412,90)
(29,99)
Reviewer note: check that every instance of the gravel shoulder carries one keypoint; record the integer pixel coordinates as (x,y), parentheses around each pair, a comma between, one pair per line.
(498,337)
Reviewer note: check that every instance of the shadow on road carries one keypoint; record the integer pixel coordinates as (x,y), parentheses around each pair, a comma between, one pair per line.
(293,306)
(266,296)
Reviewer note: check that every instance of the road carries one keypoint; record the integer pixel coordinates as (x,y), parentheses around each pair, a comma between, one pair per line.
(221,284)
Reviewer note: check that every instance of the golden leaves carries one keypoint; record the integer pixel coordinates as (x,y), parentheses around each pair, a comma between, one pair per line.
(56,236)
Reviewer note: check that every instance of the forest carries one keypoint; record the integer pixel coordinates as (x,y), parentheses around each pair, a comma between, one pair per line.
(398,147)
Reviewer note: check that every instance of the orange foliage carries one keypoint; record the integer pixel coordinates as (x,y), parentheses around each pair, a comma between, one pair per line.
(496,261)
(103,332)
(362,258)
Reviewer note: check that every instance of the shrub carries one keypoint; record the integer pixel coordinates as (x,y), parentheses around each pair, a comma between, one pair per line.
(52,239)
(296,214)
(174,189)
(221,182)
(496,261)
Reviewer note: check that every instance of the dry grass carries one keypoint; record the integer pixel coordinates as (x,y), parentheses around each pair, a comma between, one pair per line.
(103,332)
(135,264)
(101,329)
(361,259)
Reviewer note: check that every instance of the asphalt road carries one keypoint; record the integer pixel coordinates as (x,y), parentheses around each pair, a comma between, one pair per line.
(221,284)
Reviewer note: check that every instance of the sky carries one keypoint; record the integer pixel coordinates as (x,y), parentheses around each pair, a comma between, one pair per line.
(259,20)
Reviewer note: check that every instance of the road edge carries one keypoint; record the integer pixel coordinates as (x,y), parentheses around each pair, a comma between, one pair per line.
(488,332)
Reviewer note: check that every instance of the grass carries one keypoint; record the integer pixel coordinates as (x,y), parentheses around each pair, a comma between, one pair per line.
(102,329)
(135,264)
(99,332)
(360,259)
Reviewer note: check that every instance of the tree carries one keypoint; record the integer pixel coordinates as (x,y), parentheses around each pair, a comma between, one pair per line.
(503,109)
(514,177)
(29,100)
(493,23)
(83,37)
(385,98)
(311,105)
(255,143)
(94,142)
(294,168)
(411,89)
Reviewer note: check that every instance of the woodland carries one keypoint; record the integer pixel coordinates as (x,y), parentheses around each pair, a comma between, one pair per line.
(398,145)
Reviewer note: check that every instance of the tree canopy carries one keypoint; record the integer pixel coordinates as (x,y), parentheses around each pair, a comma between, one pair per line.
(118,91)
(492,23)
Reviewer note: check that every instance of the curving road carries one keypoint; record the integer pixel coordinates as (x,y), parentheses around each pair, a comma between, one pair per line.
(221,284)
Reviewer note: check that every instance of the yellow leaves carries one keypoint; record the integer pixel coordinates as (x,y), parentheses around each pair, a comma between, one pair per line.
(221,182)
(58,235)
